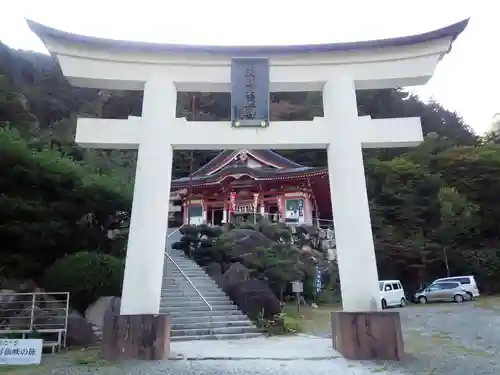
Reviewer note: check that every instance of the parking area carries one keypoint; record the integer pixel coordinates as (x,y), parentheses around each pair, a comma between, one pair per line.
(452,339)
(440,338)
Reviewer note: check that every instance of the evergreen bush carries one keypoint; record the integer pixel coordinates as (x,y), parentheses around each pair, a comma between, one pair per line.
(86,276)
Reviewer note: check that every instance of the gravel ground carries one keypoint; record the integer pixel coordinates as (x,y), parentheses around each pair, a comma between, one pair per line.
(223,367)
(452,339)
(447,339)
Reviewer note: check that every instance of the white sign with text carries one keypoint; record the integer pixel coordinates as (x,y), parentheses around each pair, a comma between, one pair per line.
(20,351)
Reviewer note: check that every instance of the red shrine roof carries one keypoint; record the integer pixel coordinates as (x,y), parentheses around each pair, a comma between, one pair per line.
(259,165)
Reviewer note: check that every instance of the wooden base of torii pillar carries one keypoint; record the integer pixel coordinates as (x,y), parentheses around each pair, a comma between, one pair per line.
(143,337)
(368,336)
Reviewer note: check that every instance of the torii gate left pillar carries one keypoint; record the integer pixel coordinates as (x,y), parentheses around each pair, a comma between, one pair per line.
(145,259)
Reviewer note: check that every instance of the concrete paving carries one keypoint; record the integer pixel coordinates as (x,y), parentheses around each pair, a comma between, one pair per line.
(274,348)
(294,352)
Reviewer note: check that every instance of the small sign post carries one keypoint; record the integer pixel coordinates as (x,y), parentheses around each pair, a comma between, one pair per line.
(297,288)
(20,351)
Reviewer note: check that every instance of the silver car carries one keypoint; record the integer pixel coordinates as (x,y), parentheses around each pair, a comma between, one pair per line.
(442,291)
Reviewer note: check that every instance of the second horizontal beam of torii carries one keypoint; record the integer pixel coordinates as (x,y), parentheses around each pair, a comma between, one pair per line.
(126,134)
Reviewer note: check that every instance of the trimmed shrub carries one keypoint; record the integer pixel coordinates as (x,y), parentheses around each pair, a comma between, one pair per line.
(280,324)
(86,276)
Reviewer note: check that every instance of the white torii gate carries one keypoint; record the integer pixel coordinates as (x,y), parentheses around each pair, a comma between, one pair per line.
(162,70)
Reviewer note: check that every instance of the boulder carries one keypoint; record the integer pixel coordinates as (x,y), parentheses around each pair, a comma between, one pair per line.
(254,297)
(42,319)
(95,312)
(8,297)
(79,332)
(11,303)
(214,269)
(236,273)
(20,286)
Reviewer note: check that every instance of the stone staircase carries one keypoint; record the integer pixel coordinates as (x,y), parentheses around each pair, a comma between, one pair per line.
(214,316)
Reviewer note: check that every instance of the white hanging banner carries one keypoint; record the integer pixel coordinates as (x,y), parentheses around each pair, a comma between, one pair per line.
(255,202)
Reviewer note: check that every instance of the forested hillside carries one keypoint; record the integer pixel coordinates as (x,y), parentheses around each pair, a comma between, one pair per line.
(433,207)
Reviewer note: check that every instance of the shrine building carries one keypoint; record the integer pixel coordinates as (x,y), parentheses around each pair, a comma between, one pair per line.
(244,185)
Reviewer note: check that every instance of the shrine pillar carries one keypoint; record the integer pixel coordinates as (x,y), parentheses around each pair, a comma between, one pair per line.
(143,275)
(281,208)
(204,206)
(351,214)
(185,213)
(224,214)
(308,209)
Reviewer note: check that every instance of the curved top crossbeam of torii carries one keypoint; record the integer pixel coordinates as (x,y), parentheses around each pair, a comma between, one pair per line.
(115,64)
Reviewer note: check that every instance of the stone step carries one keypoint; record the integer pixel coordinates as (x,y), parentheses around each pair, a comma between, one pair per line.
(193,278)
(193,297)
(210,291)
(200,307)
(192,294)
(185,269)
(233,336)
(197,306)
(188,287)
(214,331)
(196,324)
(199,313)
(215,319)
(180,298)
(195,302)
(199,284)
(179,260)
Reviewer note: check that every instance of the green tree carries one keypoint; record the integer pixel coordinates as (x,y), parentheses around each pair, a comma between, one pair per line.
(14,110)
(474,172)
(459,220)
(51,206)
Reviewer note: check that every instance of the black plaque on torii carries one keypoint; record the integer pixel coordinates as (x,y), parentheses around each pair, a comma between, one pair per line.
(250,92)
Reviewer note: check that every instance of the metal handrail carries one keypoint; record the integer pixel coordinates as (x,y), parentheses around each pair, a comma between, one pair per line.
(189,281)
(31,298)
(186,276)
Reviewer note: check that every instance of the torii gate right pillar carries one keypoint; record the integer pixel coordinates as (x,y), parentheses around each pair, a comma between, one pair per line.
(351,214)
(361,330)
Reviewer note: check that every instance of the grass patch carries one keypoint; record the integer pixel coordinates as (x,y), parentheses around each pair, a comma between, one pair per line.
(417,342)
(488,303)
(312,320)
(58,361)
(459,348)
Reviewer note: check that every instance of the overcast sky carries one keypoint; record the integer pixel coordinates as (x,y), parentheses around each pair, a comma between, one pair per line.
(466,81)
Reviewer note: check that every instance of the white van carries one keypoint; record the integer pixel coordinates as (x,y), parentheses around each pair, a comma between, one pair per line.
(468,283)
(391,293)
